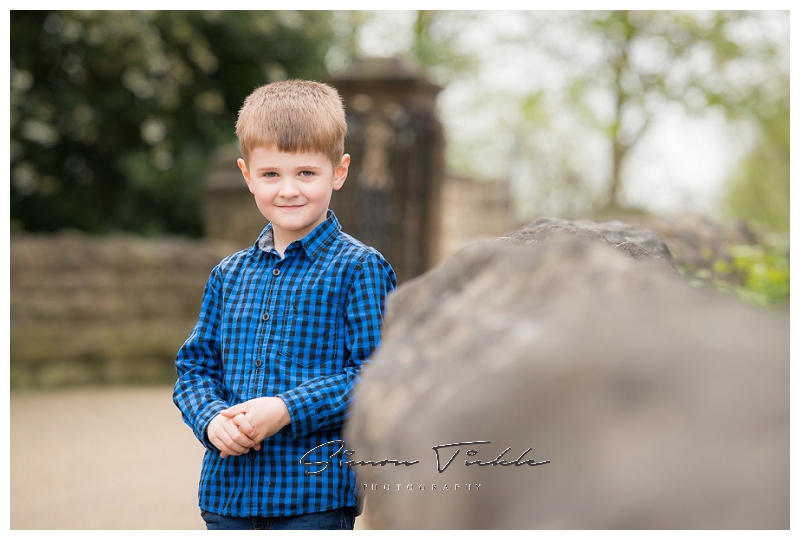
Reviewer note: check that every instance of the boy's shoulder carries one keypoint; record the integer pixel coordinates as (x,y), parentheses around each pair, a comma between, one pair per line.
(359,253)
(355,247)
(235,259)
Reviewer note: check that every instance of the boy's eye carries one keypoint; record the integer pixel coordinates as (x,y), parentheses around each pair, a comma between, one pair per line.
(307,173)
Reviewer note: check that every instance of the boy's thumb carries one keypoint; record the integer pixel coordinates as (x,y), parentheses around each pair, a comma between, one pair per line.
(233,411)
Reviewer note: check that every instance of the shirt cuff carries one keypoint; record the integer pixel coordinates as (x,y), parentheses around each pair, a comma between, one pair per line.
(301,411)
(205,418)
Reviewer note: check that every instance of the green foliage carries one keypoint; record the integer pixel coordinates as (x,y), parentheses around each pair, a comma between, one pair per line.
(436,47)
(759,189)
(114,113)
(346,26)
(758,273)
(765,273)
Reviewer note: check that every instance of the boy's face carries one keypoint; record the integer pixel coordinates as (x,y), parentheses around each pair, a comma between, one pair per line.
(292,191)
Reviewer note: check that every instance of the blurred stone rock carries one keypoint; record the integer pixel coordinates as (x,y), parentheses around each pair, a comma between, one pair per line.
(654,404)
(636,243)
(696,241)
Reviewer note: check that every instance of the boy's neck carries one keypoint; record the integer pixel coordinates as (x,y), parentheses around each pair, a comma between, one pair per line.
(281,238)
(279,243)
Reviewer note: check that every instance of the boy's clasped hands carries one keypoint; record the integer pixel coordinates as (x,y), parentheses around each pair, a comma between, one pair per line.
(236,430)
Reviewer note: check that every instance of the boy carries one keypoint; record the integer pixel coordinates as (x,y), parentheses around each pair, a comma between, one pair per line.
(284,327)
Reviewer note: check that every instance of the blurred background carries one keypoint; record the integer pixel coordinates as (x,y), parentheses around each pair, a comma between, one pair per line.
(125,193)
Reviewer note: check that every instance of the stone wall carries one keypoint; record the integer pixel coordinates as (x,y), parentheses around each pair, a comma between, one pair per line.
(115,309)
(87,309)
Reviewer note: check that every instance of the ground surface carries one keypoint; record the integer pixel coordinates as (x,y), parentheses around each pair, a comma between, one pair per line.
(102,458)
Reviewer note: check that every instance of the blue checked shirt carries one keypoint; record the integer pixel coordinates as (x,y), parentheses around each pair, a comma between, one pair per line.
(299,328)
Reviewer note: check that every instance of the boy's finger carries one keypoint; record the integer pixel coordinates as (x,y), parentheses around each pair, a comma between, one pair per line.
(235,441)
(233,411)
(224,449)
(238,439)
(244,425)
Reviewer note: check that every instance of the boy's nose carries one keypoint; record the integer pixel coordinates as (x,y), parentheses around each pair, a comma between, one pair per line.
(288,189)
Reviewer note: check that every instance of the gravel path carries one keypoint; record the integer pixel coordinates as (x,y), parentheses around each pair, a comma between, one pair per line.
(102,458)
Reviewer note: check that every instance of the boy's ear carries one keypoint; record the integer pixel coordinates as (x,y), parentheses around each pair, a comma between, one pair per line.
(243,167)
(340,174)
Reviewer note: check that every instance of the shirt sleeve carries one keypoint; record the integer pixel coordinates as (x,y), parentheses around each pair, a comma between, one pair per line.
(322,403)
(199,391)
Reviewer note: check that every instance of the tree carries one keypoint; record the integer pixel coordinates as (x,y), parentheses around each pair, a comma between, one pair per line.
(647,59)
(114,114)
(758,191)
(436,44)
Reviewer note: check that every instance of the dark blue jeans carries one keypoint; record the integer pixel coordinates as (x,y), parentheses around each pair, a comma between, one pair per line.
(341,519)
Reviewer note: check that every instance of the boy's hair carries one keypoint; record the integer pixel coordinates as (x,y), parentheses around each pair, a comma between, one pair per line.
(293,116)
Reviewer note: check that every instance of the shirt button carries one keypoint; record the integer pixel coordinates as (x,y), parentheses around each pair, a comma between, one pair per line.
(276,272)
(251,455)
(265,316)
(258,363)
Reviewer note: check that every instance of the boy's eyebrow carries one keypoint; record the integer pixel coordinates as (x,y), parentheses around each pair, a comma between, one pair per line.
(273,167)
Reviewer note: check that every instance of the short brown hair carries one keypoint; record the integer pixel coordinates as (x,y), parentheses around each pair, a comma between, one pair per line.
(293,116)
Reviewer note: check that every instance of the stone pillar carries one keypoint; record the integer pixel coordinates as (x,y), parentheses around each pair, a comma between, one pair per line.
(228,209)
(391,198)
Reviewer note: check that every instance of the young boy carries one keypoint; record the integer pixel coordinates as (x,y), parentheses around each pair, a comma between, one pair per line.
(285,325)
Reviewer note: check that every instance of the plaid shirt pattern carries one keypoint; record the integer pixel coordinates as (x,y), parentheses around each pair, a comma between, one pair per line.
(300,328)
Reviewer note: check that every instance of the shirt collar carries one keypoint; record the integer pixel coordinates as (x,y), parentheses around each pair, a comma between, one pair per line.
(312,243)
